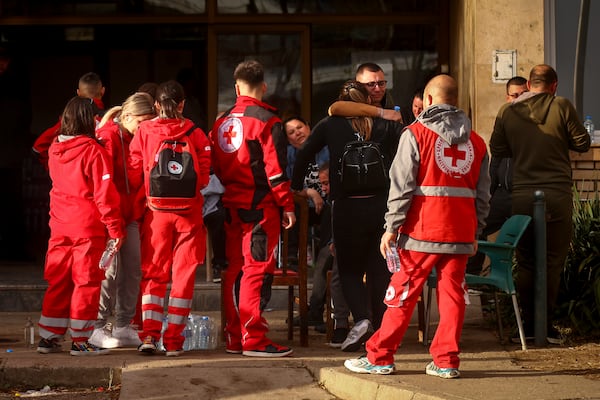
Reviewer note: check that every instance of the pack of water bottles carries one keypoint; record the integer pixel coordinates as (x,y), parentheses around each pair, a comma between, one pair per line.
(200,333)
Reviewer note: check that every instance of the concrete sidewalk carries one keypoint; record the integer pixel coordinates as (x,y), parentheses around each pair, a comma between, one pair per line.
(314,372)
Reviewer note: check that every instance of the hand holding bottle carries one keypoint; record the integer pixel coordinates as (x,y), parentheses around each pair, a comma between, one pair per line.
(112,247)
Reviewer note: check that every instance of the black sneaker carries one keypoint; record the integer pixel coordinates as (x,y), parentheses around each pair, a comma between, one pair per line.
(339,335)
(271,350)
(87,349)
(47,346)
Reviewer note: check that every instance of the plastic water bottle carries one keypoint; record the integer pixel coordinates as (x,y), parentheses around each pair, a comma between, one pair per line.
(589,126)
(108,255)
(188,334)
(392,259)
(397,108)
(204,333)
(165,323)
(29,332)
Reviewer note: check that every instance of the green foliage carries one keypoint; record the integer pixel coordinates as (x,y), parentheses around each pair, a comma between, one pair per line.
(579,298)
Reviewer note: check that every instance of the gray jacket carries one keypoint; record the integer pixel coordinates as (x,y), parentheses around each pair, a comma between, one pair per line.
(453,125)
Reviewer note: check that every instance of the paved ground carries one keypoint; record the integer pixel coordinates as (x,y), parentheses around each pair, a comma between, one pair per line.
(314,372)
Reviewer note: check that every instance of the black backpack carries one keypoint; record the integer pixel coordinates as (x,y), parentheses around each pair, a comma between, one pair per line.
(362,171)
(173,177)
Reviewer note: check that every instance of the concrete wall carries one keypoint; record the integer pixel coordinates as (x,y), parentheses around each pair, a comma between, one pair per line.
(478,27)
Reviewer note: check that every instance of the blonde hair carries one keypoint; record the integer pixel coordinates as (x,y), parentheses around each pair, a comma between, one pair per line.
(139,103)
(355,91)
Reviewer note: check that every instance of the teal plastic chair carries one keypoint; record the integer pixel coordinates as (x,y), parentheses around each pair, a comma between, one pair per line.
(501,254)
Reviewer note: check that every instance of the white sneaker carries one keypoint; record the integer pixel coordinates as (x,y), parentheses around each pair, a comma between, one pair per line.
(359,334)
(127,336)
(102,338)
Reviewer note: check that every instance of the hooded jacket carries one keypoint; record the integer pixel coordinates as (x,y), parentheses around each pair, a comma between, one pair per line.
(439,194)
(537,131)
(42,144)
(83,199)
(144,147)
(115,141)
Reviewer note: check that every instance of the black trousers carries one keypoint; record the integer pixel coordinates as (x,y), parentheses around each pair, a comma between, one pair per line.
(357,230)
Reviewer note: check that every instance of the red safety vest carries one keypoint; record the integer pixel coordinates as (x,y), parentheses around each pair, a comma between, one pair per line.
(443,208)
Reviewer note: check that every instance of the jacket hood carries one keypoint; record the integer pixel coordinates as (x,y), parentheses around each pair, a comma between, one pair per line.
(66,151)
(168,128)
(533,106)
(449,122)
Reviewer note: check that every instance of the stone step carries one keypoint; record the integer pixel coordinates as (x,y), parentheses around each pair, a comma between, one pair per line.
(22,288)
(207,297)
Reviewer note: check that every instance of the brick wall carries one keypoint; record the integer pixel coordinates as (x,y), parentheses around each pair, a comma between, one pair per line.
(586,171)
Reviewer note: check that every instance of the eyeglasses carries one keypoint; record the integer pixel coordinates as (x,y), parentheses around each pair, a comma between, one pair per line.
(371,85)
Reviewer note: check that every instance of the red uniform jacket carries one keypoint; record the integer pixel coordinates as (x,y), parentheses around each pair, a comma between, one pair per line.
(83,199)
(146,142)
(250,156)
(116,142)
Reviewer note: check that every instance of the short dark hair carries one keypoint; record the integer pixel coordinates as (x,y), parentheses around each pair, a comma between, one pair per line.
(418,93)
(542,75)
(369,66)
(90,85)
(250,71)
(516,81)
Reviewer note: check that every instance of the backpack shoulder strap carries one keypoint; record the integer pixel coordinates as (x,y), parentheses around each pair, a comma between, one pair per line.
(189,131)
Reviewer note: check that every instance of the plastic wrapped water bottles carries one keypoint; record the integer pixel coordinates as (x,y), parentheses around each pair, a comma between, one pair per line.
(205,333)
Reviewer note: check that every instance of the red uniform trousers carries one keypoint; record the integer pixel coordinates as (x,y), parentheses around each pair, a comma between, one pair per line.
(251,240)
(73,292)
(402,295)
(172,246)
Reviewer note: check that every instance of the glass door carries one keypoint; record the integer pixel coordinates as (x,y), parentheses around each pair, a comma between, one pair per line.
(282,50)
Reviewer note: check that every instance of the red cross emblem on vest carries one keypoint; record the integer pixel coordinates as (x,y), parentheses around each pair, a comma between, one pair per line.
(455,154)
(229,134)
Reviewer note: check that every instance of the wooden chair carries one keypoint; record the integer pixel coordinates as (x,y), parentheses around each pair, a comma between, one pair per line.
(292,279)
(500,277)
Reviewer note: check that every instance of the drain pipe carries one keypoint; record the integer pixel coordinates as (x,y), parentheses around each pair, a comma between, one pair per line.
(540,291)
(580,50)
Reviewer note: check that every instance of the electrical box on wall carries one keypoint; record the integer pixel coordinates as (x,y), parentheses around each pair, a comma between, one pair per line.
(504,65)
